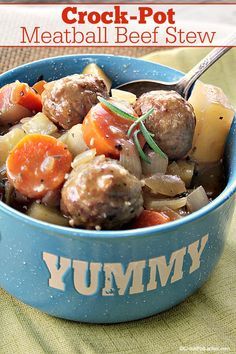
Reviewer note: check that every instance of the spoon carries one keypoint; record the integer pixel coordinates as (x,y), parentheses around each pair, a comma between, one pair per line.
(184,85)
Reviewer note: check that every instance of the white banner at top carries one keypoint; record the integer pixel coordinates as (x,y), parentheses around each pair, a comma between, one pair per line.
(169,25)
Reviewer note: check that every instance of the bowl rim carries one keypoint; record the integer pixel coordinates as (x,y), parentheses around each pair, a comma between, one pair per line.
(67,232)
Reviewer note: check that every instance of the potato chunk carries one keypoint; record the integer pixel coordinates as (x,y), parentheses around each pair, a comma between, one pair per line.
(74,140)
(39,124)
(214,116)
(44,213)
(124,96)
(182,168)
(8,141)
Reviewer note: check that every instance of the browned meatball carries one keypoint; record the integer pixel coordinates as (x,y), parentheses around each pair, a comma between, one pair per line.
(102,195)
(172,122)
(67,101)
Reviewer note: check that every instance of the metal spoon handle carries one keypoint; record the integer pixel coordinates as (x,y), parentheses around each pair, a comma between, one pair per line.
(185,84)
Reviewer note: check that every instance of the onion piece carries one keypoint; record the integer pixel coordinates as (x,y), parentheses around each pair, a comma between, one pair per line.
(197,199)
(158,163)
(165,184)
(129,159)
(83,158)
(184,169)
(157,204)
(173,215)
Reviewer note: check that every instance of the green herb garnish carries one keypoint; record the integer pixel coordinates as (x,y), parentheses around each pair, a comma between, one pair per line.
(116,109)
(139,120)
(138,146)
(147,135)
(150,141)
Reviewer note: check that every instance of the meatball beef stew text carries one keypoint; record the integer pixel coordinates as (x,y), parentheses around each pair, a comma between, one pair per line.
(75,154)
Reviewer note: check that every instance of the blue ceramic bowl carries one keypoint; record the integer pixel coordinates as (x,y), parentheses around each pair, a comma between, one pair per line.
(111,276)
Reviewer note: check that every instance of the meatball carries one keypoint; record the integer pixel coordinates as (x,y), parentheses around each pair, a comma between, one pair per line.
(67,101)
(102,195)
(172,122)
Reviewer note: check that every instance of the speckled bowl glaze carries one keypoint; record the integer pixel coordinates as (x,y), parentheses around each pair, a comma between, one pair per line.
(111,276)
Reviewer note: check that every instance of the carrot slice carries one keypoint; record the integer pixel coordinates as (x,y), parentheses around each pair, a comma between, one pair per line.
(105,131)
(24,95)
(38,164)
(39,86)
(150,218)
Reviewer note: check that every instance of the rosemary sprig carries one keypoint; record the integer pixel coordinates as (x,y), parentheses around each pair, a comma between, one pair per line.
(139,120)
(138,146)
(150,141)
(147,135)
(116,109)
